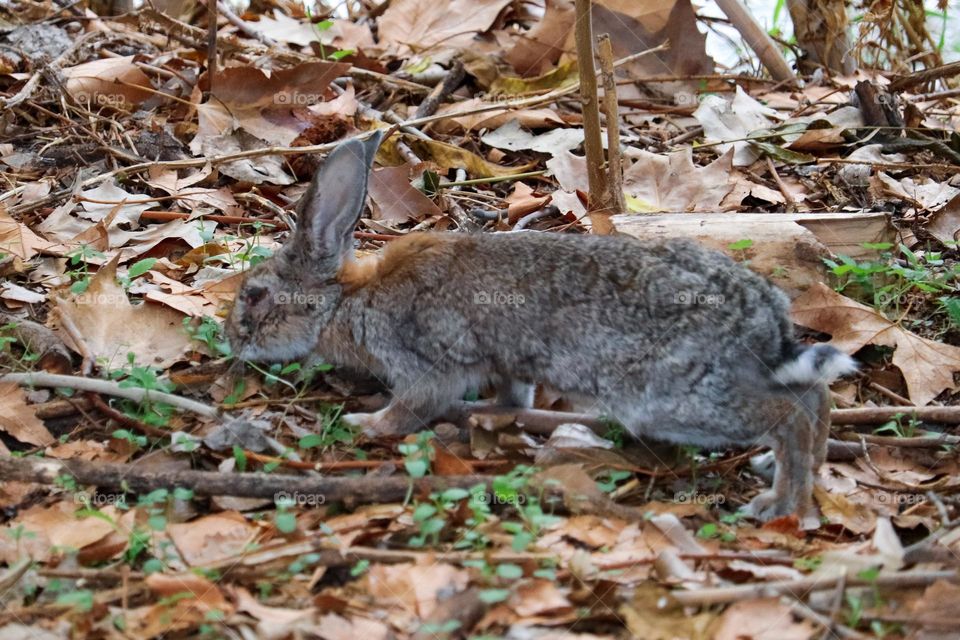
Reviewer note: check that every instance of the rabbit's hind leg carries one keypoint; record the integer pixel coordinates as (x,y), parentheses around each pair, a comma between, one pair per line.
(513,393)
(798,440)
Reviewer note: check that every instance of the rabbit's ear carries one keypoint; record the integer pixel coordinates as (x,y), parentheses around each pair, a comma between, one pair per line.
(329,210)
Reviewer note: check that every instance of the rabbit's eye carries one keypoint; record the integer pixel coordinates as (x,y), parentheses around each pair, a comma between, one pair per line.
(254,295)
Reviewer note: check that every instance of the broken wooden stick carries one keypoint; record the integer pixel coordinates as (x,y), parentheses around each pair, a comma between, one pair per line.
(110,388)
(301,489)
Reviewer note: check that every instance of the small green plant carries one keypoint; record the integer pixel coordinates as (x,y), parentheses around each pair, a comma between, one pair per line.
(898,429)
(283,518)
(80,274)
(899,279)
(135,440)
(80,600)
(615,433)
(514,489)
(149,412)
(136,270)
(739,249)
(608,480)
(320,28)
(210,332)
(157,502)
(417,455)
(712,530)
(333,431)
(811,563)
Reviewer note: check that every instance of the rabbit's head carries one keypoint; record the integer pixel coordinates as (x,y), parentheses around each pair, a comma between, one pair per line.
(286,301)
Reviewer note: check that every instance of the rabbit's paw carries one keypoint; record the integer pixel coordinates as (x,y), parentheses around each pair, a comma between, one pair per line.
(372,424)
(765,506)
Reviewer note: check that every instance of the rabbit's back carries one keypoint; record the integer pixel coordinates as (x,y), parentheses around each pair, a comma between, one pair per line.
(602,316)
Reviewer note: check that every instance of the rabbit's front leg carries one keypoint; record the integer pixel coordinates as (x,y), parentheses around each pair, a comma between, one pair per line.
(412,407)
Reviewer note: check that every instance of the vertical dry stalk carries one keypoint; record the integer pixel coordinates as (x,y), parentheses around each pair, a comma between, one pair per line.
(612,115)
(212,15)
(598,206)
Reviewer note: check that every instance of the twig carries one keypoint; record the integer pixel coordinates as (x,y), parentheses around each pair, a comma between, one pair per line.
(530,218)
(896,397)
(211,43)
(934,441)
(758,40)
(244,26)
(721,595)
(879,415)
(110,387)
(830,627)
(450,82)
(926,75)
(791,204)
(321,490)
(598,206)
(614,161)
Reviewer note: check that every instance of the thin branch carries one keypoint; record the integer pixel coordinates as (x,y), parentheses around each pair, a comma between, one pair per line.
(112,388)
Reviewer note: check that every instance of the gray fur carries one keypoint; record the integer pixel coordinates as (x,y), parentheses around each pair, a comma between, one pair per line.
(675,341)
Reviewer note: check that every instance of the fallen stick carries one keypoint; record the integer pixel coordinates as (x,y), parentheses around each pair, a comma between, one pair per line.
(111,388)
(312,490)
(879,415)
(544,422)
(723,595)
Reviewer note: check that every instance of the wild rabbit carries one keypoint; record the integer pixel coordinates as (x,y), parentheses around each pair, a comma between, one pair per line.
(674,341)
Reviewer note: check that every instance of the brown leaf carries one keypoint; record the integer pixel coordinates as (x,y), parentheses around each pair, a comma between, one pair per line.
(938,606)
(944,225)
(523,201)
(538,597)
(436,25)
(108,82)
(18,419)
(672,182)
(111,327)
(927,366)
(17,239)
(858,518)
(270,108)
(530,118)
(766,619)
(211,538)
(414,587)
(448,156)
(541,47)
(396,199)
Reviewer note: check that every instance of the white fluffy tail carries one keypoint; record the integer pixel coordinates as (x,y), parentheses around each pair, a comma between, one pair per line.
(819,363)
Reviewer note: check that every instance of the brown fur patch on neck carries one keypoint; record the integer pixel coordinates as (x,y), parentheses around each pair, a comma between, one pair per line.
(368,270)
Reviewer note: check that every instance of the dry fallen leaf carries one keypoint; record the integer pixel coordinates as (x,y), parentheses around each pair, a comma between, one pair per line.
(542,46)
(18,419)
(274,108)
(837,509)
(111,327)
(734,120)
(17,239)
(415,587)
(927,366)
(108,82)
(434,26)
(766,619)
(396,200)
(218,536)
(671,182)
